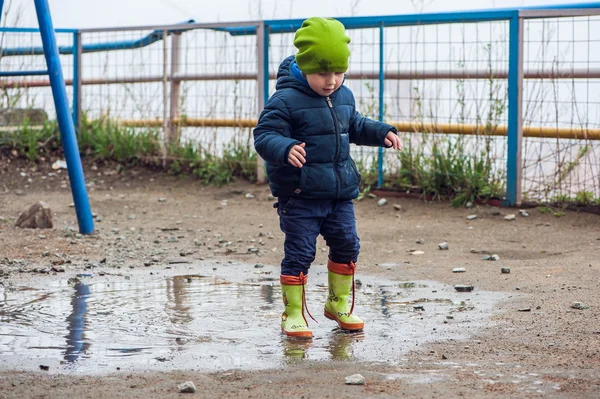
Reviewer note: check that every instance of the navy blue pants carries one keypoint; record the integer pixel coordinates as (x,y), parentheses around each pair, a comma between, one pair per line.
(303,220)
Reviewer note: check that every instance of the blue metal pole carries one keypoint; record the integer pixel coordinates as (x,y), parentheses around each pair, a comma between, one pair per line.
(65,122)
(515,121)
(76,80)
(1,7)
(381,106)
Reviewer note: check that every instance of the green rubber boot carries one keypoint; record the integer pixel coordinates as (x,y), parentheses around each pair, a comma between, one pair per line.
(341,282)
(293,322)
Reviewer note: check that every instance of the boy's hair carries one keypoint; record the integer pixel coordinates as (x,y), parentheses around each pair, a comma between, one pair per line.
(322,46)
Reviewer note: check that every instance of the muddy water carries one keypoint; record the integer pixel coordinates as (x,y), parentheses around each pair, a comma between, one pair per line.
(209,318)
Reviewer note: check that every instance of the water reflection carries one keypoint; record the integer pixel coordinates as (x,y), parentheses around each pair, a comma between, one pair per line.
(341,344)
(76,323)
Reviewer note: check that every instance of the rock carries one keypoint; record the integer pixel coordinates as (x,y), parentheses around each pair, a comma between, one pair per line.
(162,199)
(491,257)
(523,213)
(459,270)
(398,207)
(249,196)
(471,217)
(20,192)
(355,379)
(59,164)
(464,288)
(443,246)
(525,310)
(420,241)
(38,216)
(505,270)
(510,217)
(469,204)
(382,202)
(259,266)
(580,305)
(417,252)
(186,387)
(44,367)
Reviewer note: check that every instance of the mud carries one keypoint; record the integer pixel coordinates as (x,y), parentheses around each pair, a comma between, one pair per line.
(115,334)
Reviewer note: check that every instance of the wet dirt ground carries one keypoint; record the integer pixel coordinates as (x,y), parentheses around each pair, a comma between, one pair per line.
(180,282)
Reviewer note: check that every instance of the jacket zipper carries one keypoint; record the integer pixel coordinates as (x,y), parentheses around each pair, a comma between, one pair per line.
(337,147)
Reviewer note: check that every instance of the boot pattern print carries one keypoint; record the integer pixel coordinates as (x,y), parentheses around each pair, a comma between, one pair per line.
(332,297)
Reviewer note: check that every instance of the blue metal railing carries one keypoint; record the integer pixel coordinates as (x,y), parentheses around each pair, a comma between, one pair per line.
(510,15)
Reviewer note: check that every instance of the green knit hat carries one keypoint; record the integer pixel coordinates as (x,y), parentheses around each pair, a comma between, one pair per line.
(322,46)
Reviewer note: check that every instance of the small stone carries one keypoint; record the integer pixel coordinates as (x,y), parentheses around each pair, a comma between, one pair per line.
(464,288)
(186,387)
(398,207)
(131,217)
(525,310)
(471,217)
(469,204)
(249,196)
(510,217)
(505,270)
(417,253)
(420,241)
(162,199)
(491,257)
(253,250)
(443,246)
(523,213)
(419,307)
(459,270)
(38,216)
(382,202)
(580,305)
(355,379)
(259,266)
(44,367)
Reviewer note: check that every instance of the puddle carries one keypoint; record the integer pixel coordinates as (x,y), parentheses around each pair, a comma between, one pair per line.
(216,319)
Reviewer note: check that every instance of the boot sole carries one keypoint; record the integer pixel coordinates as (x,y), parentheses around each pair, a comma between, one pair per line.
(298,334)
(345,326)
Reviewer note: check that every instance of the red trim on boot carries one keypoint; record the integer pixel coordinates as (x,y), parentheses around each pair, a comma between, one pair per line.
(293,280)
(345,269)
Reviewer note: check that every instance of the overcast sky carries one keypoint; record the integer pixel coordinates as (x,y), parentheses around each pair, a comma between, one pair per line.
(93,13)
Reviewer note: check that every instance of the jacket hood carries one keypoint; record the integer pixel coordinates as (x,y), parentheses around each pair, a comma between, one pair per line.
(287,79)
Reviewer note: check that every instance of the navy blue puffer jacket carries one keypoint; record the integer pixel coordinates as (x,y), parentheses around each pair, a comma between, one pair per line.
(295,114)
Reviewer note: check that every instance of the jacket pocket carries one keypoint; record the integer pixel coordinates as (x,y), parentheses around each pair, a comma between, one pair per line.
(302,182)
(355,169)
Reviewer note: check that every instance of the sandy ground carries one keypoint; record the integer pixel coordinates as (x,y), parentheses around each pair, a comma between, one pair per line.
(552,350)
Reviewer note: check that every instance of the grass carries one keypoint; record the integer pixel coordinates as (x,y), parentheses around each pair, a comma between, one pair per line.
(107,141)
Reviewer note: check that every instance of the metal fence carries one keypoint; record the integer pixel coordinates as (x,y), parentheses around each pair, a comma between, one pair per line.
(515,87)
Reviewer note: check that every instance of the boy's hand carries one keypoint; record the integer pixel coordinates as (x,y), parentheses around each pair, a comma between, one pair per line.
(392,140)
(296,155)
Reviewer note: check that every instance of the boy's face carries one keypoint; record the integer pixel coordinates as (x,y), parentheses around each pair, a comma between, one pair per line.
(325,83)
